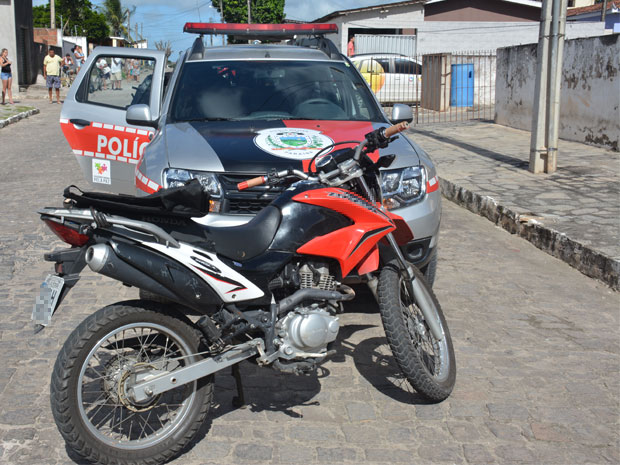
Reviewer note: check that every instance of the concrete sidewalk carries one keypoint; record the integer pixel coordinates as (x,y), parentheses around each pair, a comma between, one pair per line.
(10,114)
(573,214)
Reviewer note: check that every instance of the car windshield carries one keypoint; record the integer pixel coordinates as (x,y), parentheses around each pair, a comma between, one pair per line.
(260,90)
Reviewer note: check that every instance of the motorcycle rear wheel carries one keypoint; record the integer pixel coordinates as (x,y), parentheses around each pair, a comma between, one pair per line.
(93,412)
(427,363)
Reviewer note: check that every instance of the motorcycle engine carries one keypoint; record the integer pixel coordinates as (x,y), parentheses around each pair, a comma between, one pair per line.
(305,332)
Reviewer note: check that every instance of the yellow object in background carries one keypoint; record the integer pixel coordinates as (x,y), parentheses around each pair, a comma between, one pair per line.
(374,74)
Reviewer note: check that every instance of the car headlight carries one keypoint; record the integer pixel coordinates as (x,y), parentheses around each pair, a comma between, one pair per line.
(174,177)
(403,187)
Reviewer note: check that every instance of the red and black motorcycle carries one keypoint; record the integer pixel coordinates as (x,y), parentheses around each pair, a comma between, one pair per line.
(134,381)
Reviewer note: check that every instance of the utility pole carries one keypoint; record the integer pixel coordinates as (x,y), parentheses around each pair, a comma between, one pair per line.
(129,25)
(555,79)
(604,11)
(52,14)
(546,109)
(539,117)
(249,13)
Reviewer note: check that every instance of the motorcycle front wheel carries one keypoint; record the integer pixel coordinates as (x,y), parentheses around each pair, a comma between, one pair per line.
(95,415)
(427,363)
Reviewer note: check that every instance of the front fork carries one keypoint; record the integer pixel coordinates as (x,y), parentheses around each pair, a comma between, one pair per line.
(416,289)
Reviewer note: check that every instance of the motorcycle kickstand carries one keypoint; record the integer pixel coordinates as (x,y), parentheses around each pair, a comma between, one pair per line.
(239,400)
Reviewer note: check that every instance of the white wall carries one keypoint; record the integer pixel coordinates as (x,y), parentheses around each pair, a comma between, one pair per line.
(452,36)
(590,93)
(7,38)
(392,18)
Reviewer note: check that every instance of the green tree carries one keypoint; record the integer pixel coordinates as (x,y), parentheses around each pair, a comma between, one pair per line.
(261,11)
(41,16)
(76,15)
(96,27)
(117,16)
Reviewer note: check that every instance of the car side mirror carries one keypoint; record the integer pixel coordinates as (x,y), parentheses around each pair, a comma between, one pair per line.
(140,115)
(400,113)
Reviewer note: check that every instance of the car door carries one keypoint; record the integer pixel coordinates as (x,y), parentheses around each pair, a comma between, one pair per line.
(92,118)
(374,73)
(407,80)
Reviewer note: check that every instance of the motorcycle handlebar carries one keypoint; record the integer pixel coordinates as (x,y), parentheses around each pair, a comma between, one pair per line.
(257,181)
(393,130)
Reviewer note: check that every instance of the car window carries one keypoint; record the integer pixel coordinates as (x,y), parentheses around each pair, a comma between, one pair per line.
(271,90)
(384,63)
(405,66)
(118,82)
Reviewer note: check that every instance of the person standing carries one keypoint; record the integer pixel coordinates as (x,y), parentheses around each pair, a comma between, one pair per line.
(78,58)
(117,75)
(6,75)
(136,70)
(67,68)
(104,71)
(51,73)
(351,47)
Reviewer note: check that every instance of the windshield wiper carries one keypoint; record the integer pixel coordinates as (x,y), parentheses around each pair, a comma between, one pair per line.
(206,119)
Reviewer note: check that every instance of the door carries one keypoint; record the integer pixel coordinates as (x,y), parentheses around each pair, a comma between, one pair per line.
(373,70)
(93,114)
(407,80)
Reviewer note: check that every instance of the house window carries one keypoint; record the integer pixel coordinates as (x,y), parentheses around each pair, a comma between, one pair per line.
(571,3)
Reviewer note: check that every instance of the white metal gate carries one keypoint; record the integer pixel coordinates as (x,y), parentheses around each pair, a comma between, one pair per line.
(401,44)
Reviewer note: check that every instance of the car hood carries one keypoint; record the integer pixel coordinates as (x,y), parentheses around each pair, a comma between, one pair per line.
(259,146)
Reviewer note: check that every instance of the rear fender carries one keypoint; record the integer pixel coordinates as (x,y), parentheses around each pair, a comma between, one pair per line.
(68,264)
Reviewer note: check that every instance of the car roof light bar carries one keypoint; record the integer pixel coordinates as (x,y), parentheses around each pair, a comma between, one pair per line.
(261,30)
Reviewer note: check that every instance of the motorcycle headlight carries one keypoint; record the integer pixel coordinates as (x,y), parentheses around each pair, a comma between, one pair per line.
(403,187)
(174,177)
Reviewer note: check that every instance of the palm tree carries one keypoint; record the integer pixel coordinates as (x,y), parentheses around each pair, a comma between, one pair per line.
(118,17)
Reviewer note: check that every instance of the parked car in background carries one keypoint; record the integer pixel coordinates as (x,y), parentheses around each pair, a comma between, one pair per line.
(230,113)
(394,78)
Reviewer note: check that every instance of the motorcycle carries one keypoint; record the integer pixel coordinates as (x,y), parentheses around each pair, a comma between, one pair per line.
(134,381)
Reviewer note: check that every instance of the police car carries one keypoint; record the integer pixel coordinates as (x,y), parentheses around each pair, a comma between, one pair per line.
(229,113)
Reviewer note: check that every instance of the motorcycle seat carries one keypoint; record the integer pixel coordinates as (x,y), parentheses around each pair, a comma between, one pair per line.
(248,240)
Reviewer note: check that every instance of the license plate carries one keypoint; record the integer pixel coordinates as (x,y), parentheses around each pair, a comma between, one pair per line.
(46,301)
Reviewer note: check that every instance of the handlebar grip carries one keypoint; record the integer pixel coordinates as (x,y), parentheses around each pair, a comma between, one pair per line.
(252,183)
(393,130)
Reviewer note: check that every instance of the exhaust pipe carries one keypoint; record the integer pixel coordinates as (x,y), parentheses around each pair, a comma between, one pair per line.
(101,259)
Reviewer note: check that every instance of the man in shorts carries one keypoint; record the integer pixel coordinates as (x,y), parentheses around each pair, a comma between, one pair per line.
(116,73)
(51,73)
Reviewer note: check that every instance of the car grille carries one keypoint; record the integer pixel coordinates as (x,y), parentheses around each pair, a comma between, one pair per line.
(249,201)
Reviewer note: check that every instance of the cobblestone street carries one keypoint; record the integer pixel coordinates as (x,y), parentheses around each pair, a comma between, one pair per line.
(537,347)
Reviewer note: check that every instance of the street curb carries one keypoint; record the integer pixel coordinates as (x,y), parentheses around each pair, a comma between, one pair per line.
(587,260)
(19,116)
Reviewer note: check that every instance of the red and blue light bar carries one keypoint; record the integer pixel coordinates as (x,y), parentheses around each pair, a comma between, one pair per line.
(253,30)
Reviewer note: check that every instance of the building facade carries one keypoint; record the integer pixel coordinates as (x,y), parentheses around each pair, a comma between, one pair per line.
(451,25)
(16,35)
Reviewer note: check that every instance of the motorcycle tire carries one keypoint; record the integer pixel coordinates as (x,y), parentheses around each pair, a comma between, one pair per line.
(93,413)
(427,363)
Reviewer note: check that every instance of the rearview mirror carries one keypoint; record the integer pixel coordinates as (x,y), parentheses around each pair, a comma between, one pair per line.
(400,113)
(140,115)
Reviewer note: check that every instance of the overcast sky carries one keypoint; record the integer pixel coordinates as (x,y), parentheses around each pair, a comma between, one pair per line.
(164,19)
